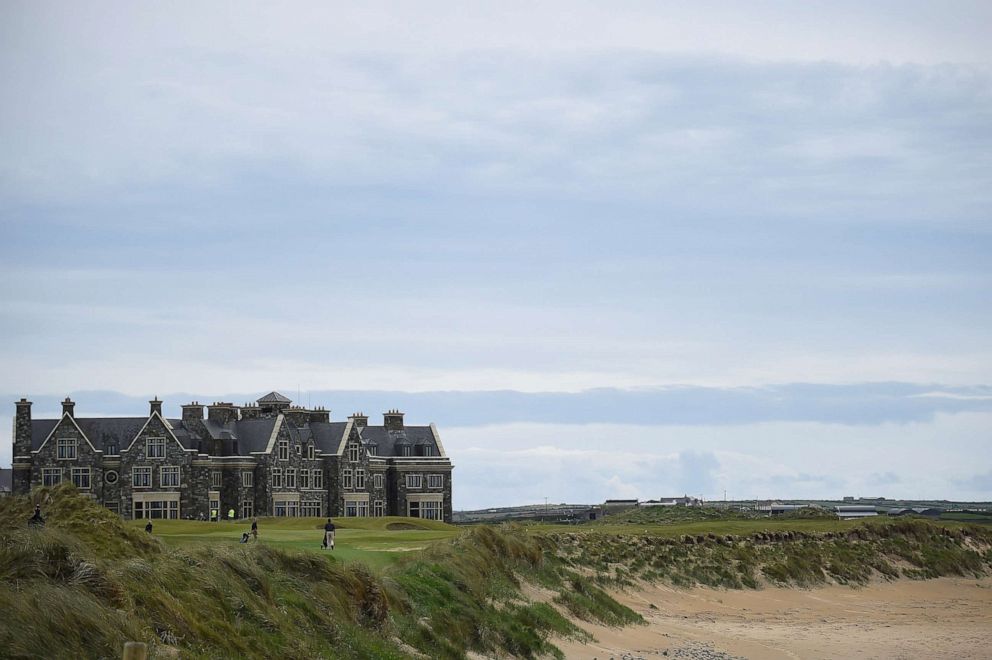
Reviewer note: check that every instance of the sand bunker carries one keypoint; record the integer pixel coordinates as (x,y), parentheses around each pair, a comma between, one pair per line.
(943,618)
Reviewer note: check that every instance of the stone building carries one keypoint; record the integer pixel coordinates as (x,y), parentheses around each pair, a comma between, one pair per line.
(269,458)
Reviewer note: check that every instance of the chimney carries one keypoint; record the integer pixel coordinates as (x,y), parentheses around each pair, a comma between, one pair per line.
(320,415)
(393,420)
(296,415)
(193,412)
(22,428)
(155,406)
(359,420)
(251,411)
(222,412)
(69,407)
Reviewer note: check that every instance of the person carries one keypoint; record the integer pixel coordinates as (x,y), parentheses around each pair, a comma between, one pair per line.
(230,514)
(213,515)
(328,535)
(36,519)
(244,537)
(148,527)
(254,528)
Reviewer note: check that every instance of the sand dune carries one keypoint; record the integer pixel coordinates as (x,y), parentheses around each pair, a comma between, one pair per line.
(943,618)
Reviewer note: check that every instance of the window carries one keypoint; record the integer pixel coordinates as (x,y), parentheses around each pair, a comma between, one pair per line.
(51,476)
(363,510)
(214,507)
(435,481)
(414,481)
(155,448)
(157,509)
(311,510)
(405,450)
(247,480)
(81,478)
(427,510)
(310,451)
(379,509)
(110,477)
(113,506)
(284,450)
(431,510)
(350,509)
(305,479)
(290,477)
(318,479)
(360,479)
(297,450)
(247,509)
(215,479)
(346,479)
(277,477)
(170,476)
(141,477)
(428,450)
(110,449)
(67,448)
(373,449)
(286,509)
(353,450)
(377,481)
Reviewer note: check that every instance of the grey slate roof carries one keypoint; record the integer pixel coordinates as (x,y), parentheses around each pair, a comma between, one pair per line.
(252,435)
(274,397)
(386,441)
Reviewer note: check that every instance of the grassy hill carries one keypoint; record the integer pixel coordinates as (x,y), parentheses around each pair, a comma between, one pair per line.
(88,581)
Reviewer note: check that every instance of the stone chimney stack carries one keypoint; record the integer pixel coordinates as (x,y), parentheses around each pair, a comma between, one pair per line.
(222,412)
(393,420)
(359,420)
(320,415)
(155,406)
(193,412)
(22,428)
(69,407)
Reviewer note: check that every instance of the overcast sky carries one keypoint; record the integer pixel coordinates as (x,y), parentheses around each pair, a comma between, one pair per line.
(585,233)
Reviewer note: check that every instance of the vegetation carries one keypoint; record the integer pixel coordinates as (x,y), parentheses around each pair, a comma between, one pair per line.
(846,553)
(88,581)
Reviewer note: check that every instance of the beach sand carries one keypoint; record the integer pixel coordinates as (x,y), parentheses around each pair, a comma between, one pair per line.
(942,618)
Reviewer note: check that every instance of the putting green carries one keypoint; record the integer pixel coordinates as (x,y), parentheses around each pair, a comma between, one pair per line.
(376,541)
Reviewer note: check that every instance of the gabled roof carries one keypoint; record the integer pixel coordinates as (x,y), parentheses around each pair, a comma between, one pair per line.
(386,441)
(274,397)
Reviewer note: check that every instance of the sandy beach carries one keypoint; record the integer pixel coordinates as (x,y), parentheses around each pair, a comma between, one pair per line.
(943,618)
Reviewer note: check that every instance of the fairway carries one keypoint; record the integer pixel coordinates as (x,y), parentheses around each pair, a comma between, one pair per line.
(377,542)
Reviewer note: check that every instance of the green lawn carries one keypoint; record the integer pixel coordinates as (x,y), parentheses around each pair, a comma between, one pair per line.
(377,542)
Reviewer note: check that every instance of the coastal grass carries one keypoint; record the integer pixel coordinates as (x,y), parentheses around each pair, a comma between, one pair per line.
(87,582)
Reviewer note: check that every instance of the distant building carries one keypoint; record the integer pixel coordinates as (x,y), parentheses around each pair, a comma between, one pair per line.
(685,500)
(848,512)
(777,509)
(6,479)
(268,458)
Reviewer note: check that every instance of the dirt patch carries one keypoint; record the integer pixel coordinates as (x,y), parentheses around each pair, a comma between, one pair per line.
(942,618)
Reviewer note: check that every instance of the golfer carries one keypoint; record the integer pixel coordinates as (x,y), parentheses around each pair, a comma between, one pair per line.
(328,535)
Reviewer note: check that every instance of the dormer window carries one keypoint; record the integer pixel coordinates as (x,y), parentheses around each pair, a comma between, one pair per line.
(284,450)
(66,448)
(373,450)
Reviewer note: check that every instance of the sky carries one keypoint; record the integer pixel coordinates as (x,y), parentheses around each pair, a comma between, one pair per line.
(613,249)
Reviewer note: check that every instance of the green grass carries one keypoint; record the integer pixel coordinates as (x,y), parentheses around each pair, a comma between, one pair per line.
(368,540)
